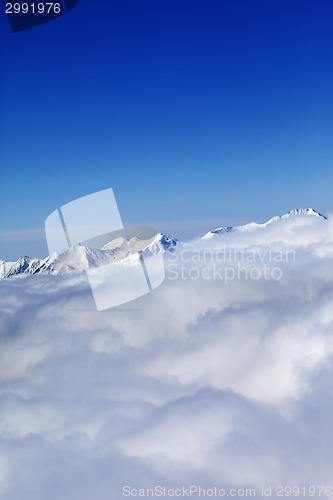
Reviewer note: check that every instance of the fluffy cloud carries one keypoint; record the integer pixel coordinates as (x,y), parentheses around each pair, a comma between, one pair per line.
(201,382)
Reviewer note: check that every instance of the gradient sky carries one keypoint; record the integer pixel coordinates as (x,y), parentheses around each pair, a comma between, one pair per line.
(206,110)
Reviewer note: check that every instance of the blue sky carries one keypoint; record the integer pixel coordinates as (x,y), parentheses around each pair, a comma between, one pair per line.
(190,110)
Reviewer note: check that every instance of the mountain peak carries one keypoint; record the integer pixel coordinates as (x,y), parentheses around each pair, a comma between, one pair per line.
(296,212)
(304,211)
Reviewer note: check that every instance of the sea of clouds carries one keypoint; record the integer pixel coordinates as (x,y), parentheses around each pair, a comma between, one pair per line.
(204,382)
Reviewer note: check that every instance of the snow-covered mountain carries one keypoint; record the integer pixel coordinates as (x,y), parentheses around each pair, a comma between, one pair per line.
(297,212)
(80,258)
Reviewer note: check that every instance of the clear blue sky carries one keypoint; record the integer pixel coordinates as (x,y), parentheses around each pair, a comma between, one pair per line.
(210,109)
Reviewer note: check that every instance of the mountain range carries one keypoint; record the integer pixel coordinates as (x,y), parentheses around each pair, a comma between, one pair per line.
(80,257)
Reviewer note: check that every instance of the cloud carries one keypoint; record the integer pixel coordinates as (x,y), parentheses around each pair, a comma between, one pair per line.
(201,382)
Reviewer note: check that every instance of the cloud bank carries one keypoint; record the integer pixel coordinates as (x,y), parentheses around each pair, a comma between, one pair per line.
(200,382)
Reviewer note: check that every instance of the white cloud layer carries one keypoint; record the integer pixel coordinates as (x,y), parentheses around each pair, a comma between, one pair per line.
(200,382)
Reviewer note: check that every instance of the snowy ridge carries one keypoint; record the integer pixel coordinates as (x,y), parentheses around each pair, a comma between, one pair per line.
(297,212)
(81,258)
(25,265)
